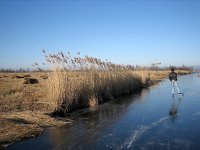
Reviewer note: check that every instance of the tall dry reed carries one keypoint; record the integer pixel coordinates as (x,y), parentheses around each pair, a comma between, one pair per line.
(77,82)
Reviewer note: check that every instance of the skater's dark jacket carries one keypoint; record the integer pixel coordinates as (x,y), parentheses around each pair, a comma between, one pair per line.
(173,76)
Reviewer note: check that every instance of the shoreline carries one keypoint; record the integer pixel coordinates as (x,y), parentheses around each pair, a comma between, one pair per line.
(32,123)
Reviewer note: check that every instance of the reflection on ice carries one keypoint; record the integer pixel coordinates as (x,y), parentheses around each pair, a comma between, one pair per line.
(174,107)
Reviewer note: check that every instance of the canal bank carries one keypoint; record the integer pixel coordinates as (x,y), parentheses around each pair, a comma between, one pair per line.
(140,121)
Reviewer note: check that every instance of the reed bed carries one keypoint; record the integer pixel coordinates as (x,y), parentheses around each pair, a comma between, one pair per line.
(73,83)
(78,82)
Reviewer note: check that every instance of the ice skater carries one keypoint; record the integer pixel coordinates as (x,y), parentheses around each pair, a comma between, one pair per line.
(173,79)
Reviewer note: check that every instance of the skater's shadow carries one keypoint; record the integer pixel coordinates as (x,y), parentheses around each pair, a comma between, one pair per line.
(173,111)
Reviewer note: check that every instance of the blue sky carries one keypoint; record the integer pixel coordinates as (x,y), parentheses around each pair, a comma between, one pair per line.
(123,31)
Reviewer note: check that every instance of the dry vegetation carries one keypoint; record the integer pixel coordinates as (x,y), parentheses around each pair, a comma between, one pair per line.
(24,107)
(20,125)
(78,82)
(15,95)
(74,82)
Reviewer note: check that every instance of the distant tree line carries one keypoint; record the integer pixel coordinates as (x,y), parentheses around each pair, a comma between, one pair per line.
(126,67)
(140,67)
(183,67)
(9,70)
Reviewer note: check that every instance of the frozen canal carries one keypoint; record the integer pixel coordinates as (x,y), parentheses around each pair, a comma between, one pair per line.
(149,120)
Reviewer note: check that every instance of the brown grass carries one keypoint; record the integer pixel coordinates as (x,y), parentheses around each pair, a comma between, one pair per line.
(20,125)
(68,93)
(70,89)
(17,96)
(75,80)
